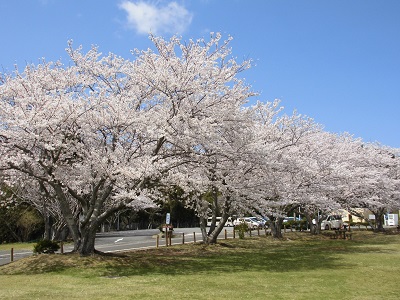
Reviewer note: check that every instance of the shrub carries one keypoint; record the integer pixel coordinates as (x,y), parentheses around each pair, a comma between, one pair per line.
(242,228)
(289,224)
(303,224)
(46,246)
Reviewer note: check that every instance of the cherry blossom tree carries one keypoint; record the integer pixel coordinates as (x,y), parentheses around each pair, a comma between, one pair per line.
(325,168)
(212,176)
(276,179)
(374,182)
(243,168)
(101,131)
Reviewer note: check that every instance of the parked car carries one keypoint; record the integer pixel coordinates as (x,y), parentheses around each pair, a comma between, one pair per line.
(265,221)
(332,222)
(262,222)
(288,219)
(250,221)
(291,222)
(228,223)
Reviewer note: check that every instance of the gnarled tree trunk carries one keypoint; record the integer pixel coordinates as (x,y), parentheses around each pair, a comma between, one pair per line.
(276,225)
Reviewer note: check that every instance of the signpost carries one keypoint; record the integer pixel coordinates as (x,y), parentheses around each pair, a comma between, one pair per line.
(167,226)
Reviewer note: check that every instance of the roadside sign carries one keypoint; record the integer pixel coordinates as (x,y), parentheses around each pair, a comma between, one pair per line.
(168,218)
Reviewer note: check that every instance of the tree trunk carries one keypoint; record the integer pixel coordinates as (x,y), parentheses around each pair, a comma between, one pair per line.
(203,223)
(314,228)
(85,245)
(212,225)
(60,232)
(212,237)
(47,227)
(71,222)
(379,220)
(13,233)
(276,225)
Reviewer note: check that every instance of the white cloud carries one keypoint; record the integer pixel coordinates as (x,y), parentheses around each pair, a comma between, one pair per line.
(145,17)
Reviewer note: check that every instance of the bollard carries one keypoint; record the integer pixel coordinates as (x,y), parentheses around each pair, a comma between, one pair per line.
(250,232)
(258,231)
(183,238)
(234,232)
(194,237)
(226,234)
(62,247)
(157,241)
(12,255)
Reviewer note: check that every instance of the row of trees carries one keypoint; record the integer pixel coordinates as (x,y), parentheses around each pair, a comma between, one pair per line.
(103,134)
(24,221)
(19,222)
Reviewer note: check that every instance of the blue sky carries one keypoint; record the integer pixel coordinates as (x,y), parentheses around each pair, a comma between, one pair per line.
(337,61)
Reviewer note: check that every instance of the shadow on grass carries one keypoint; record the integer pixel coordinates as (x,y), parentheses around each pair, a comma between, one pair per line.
(300,252)
(256,254)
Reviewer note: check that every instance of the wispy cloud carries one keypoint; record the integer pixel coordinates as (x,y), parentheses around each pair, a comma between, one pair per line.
(145,17)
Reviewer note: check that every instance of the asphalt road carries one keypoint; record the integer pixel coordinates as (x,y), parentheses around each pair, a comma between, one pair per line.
(118,241)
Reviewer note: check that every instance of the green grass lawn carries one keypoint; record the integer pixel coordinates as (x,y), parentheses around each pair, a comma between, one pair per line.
(17,246)
(300,266)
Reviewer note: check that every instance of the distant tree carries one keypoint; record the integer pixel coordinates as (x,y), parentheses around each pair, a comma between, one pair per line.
(42,198)
(374,182)
(19,222)
(278,177)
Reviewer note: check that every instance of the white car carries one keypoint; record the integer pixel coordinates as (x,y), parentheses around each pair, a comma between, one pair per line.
(228,223)
(332,222)
(250,221)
